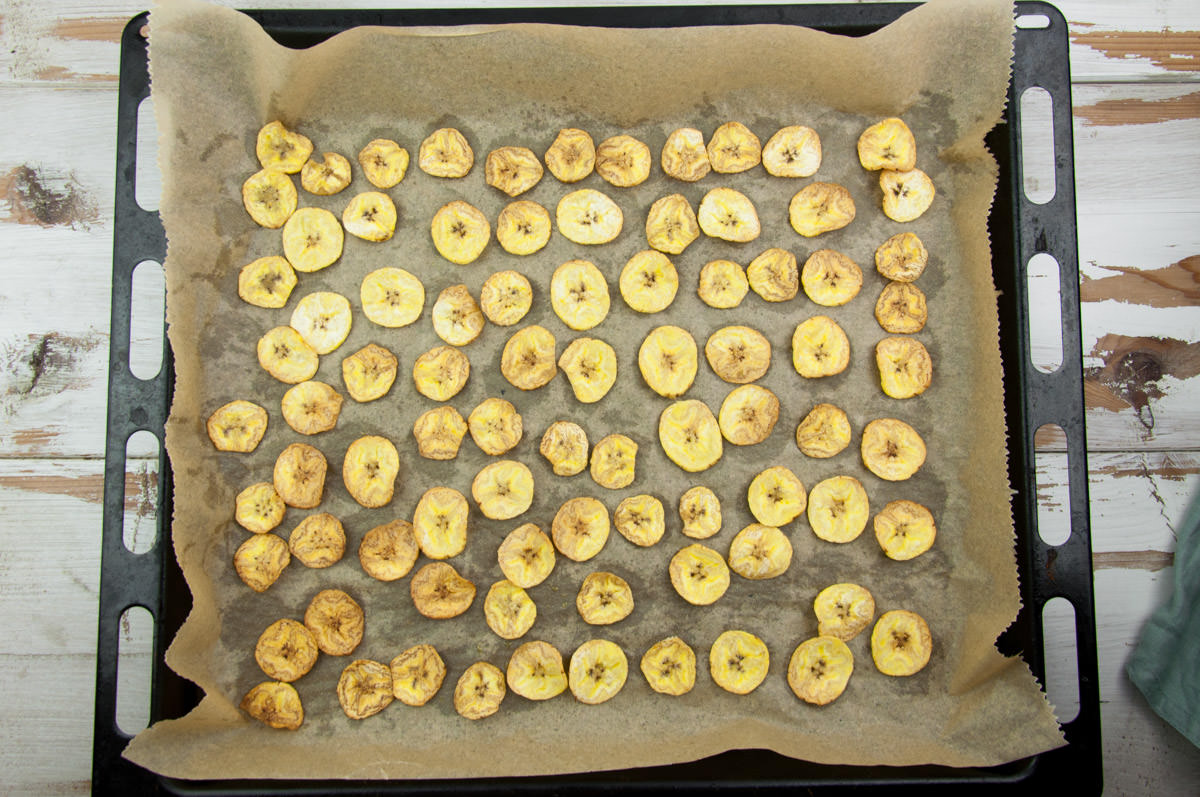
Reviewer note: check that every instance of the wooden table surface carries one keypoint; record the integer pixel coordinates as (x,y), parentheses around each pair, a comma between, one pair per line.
(1136,94)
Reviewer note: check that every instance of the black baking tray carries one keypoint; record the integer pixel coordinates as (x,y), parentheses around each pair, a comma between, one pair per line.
(1019,229)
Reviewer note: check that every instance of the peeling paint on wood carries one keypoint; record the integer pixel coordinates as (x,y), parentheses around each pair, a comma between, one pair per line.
(35,196)
(1136,111)
(1175,51)
(91,29)
(1133,560)
(42,365)
(1132,369)
(1177,285)
(1167,470)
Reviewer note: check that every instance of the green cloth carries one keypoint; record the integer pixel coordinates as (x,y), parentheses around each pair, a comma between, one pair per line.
(1165,666)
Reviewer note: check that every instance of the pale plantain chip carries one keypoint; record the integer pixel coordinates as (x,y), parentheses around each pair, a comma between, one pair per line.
(535,671)
(838,509)
(748,415)
(640,519)
(299,475)
(887,145)
(671,224)
(388,552)
(319,541)
(580,528)
(503,490)
(282,149)
(623,161)
(523,227)
(259,508)
(439,592)
(760,552)
(384,162)
(392,297)
(699,574)
(843,610)
(323,319)
(773,275)
(733,148)
(572,156)
(891,449)
(901,308)
(902,257)
(528,360)
(495,426)
(579,294)
(312,239)
(819,208)
(776,496)
(457,318)
(906,195)
(739,355)
(237,426)
(274,704)
(690,435)
(267,282)
(597,671)
(440,522)
(729,215)
(723,284)
(439,432)
(328,177)
(565,446)
(668,360)
(441,373)
(336,622)
(649,282)
(614,461)
(830,278)
(588,217)
(901,643)
(794,151)
(505,298)
(700,511)
(417,675)
(286,650)
(364,688)
(460,232)
(479,691)
(526,556)
(819,348)
(260,560)
(824,432)
(591,367)
(311,407)
(670,666)
(369,470)
(513,170)
(905,368)
(283,354)
(819,670)
(446,153)
(684,155)
(738,662)
(604,599)
(270,198)
(508,610)
(369,373)
(905,530)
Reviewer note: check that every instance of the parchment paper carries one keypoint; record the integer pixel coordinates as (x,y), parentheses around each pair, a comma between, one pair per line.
(217,78)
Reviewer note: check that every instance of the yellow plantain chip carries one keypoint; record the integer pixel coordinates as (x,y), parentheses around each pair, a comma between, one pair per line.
(901,308)
(417,675)
(819,208)
(513,170)
(323,320)
(819,348)
(508,610)
(597,671)
(495,426)
(738,662)
(699,574)
(319,541)
(588,217)
(843,610)
(282,149)
(336,622)
(312,239)
(384,162)
(565,446)
(670,666)
(440,522)
(759,552)
(649,282)
(260,560)
(604,599)
(733,148)
(824,432)
(439,592)
(776,496)
(684,155)
(891,449)
(819,670)
(505,298)
(838,509)
(591,367)
(439,432)
(668,360)
(580,528)
(640,519)
(274,704)
(457,318)
(773,275)
(623,161)
(299,475)
(723,284)
(905,368)
(729,215)
(906,195)
(579,294)
(237,426)
(460,232)
(284,355)
(365,688)
(905,530)
(572,156)
(503,490)
(446,153)
(523,227)
(690,436)
(369,470)
(887,145)
(369,373)
(270,198)
(311,407)
(388,552)
(526,556)
(794,151)
(748,415)
(286,650)
(267,282)
(830,278)
(392,297)
(901,643)
(671,224)
(535,671)
(614,461)
(441,372)
(700,511)
(259,508)
(528,360)
(479,691)
(739,355)
(902,257)
(328,177)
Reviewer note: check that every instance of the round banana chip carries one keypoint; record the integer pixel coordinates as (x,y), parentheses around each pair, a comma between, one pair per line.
(336,622)
(738,662)
(649,282)
(388,552)
(284,355)
(282,149)
(392,297)
(794,151)
(259,508)
(369,470)
(891,449)
(439,432)
(439,592)
(446,153)
(535,671)
(286,650)
(312,239)
(523,227)
(365,688)
(887,145)
(526,556)
(275,704)
(579,294)
(508,610)
(901,309)
(597,671)
(902,257)
(369,373)
(614,461)
(906,195)
(684,155)
(319,541)
(528,360)
(773,275)
(737,354)
(819,208)
(572,156)
(479,691)
(729,215)
(819,670)
(237,426)
(440,522)
(699,574)
(759,552)
(843,610)
(503,490)
(901,643)
(623,161)
(588,217)
(505,298)
(417,675)
(733,148)
(824,432)
(270,198)
(311,407)
(830,278)
(671,224)
(905,530)
(267,282)
(776,496)
(565,446)
(457,318)
(323,320)
(580,528)
(819,348)
(640,519)
(838,509)
(328,177)
(299,475)
(668,360)
(260,560)
(670,666)
(723,284)
(384,162)
(604,599)
(748,415)
(495,426)
(460,232)
(591,367)
(700,511)
(905,368)
(690,435)
(513,170)
(441,373)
